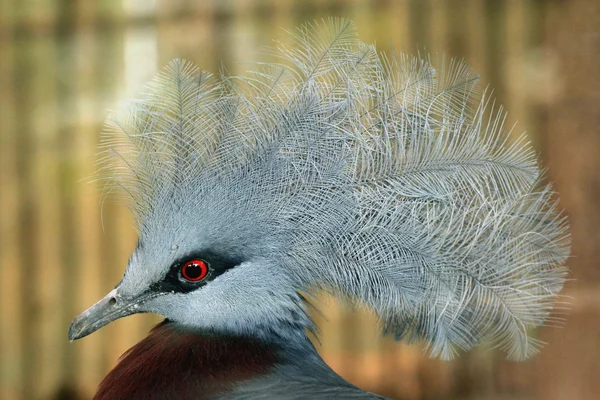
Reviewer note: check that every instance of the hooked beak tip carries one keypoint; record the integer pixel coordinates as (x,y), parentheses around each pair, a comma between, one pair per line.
(77,328)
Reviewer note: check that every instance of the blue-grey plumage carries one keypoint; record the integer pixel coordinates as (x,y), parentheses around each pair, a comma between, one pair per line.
(375,178)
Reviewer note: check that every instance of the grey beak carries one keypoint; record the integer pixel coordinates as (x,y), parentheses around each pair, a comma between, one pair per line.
(111,307)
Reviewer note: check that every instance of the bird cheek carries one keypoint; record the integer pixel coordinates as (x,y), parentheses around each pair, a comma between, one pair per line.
(169,306)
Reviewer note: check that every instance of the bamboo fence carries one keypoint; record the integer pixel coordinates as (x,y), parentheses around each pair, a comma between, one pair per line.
(64,63)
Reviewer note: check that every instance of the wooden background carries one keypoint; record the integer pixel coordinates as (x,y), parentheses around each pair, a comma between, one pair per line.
(64,62)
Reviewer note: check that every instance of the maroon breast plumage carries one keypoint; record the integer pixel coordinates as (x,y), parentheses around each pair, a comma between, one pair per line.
(171,363)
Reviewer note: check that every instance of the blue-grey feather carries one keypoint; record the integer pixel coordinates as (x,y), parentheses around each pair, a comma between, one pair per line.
(379,178)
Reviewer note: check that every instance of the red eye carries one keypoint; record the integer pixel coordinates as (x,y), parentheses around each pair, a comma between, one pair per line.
(194,270)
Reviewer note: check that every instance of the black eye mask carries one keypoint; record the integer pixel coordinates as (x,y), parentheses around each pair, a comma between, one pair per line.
(175,282)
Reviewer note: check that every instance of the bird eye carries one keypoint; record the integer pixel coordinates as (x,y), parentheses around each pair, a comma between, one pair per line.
(194,270)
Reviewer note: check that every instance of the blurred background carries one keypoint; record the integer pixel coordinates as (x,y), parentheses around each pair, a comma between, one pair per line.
(63,63)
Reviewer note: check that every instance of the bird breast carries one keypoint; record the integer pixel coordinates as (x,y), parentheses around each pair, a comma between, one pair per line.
(171,363)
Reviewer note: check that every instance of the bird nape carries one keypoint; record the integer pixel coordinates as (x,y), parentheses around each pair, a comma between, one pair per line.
(375,177)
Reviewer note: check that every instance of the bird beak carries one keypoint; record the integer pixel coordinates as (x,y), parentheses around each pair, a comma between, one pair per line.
(113,306)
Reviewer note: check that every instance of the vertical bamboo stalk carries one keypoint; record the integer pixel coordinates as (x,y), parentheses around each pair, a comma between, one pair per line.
(89,273)
(514,65)
(44,155)
(7,21)
(507,376)
(570,141)
(418,25)
(476,38)
(28,217)
(495,48)
(282,17)
(242,32)
(399,26)
(361,13)
(191,38)
(438,27)
(67,176)
(11,315)
(541,66)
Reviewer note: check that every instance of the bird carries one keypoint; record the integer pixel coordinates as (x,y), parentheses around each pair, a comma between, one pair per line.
(387,180)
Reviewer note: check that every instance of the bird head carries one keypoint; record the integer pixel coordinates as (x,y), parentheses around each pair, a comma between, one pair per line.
(337,168)
(204,261)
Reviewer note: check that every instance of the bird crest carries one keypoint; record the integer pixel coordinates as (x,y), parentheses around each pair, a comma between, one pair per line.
(380,178)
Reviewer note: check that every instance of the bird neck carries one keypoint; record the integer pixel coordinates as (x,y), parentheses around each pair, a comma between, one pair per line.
(172,362)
